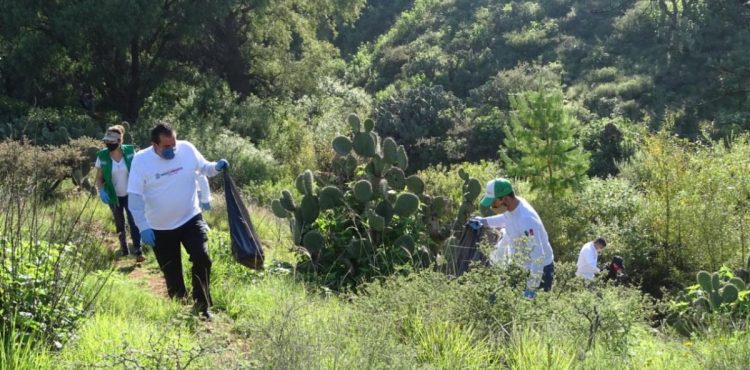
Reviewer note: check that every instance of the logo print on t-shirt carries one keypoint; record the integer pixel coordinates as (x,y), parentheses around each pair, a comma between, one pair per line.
(168,173)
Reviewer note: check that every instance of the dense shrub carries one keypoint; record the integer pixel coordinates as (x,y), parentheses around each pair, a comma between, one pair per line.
(425,119)
(46,126)
(48,250)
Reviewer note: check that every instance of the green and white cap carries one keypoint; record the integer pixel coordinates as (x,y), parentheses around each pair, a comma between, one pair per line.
(496,188)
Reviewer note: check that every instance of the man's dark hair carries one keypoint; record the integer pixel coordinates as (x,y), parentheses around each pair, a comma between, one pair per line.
(601,242)
(161,128)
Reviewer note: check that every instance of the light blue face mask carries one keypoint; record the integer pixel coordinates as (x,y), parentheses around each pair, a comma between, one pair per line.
(167,153)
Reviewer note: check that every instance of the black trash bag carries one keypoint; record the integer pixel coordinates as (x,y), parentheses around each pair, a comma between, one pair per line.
(466,251)
(246,246)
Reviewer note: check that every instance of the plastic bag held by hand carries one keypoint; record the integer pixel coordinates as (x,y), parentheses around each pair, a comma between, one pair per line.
(246,246)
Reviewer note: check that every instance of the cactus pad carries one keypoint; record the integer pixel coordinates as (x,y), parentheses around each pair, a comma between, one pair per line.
(729,293)
(474,189)
(310,208)
(406,204)
(354,123)
(278,209)
(330,197)
(287,200)
(313,242)
(362,191)
(369,125)
(363,144)
(395,178)
(415,184)
(738,283)
(341,145)
(704,280)
(402,161)
(308,182)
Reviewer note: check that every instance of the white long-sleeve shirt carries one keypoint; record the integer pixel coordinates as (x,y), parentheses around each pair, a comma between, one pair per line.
(587,261)
(168,186)
(204,190)
(526,236)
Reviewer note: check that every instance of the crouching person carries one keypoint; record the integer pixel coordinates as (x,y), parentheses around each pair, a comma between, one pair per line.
(165,206)
(524,231)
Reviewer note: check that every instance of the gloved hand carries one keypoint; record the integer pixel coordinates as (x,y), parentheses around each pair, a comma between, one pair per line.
(206,206)
(477,223)
(148,237)
(528,293)
(103,196)
(222,165)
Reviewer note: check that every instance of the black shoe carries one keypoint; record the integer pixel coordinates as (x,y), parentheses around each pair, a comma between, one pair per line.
(122,253)
(202,311)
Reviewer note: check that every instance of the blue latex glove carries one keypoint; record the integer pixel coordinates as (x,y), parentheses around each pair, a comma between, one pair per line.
(103,196)
(528,293)
(148,237)
(222,165)
(477,223)
(206,206)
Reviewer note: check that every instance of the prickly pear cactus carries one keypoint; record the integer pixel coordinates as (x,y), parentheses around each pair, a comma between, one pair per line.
(714,296)
(471,188)
(366,218)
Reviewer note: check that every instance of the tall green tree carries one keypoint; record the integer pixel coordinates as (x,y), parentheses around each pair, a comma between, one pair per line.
(540,142)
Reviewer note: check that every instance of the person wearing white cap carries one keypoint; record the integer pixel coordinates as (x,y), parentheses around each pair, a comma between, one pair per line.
(588,258)
(112,170)
(524,231)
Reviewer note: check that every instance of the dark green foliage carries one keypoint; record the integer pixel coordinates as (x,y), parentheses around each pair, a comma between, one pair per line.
(418,114)
(627,58)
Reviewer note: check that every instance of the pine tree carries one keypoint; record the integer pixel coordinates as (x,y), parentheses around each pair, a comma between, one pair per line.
(540,143)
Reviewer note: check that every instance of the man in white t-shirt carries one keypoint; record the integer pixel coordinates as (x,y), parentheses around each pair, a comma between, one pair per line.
(525,234)
(588,259)
(165,206)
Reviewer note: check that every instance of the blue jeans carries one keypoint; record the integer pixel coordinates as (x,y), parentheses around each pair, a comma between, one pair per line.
(119,212)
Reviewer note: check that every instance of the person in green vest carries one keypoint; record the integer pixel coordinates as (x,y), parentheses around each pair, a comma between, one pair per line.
(113,168)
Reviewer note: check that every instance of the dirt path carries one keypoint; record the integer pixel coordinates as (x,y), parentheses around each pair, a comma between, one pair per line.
(220,331)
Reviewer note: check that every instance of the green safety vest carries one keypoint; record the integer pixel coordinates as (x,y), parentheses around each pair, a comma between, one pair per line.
(128,151)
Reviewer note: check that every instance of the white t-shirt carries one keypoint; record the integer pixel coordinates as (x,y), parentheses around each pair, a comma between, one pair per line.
(525,233)
(168,186)
(119,175)
(587,259)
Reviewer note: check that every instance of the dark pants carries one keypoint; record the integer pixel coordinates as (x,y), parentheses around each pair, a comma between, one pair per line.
(548,275)
(194,236)
(119,212)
